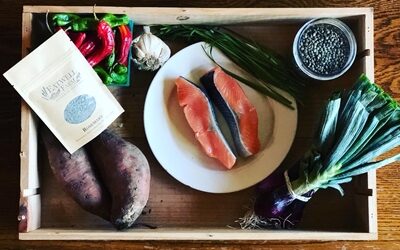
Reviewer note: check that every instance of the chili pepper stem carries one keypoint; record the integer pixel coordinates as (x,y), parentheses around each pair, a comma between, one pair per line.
(47,22)
(94,12)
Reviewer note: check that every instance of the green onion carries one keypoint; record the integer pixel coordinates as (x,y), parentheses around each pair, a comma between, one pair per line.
(269,70)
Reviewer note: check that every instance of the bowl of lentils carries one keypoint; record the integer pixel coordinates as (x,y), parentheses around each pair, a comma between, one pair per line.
(324,48)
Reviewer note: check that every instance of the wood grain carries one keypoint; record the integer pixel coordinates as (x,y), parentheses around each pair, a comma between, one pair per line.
(387,74)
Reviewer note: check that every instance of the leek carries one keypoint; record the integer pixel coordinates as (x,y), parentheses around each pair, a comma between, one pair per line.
(356,127)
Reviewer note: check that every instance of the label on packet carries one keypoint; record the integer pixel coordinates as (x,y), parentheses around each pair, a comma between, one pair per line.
(60,86)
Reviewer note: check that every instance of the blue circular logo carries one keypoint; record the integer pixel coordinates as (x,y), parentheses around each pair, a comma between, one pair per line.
(79,109)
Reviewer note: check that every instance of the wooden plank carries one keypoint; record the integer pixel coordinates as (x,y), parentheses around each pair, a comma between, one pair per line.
(203,245)
(367,186)
(148,15)
(368,38)
(28,155)
(193,234)
(29,214)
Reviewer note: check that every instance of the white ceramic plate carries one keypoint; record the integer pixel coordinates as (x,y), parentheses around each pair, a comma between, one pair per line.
(175,147)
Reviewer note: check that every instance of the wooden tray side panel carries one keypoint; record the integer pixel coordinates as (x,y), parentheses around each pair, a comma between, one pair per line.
(369,70)
(365,185)
(29,173)
(191,234)
(30,208)
(167,15)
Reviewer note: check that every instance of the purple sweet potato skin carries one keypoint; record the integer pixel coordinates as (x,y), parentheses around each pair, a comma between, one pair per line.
(77,176)
(126,174)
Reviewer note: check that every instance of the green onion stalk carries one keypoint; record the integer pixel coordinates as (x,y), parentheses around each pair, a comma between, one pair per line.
(269,70)
(356,127)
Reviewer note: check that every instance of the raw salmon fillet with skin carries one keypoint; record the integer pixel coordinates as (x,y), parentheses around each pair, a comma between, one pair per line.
(201,118)
(241,116)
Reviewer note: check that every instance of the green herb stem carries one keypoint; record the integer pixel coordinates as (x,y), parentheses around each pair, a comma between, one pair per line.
(266,67)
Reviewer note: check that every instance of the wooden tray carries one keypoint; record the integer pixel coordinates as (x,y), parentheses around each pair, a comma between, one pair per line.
(179,212)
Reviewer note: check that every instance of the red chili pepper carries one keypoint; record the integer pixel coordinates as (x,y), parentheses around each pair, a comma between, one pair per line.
(124,45)
(77,38)
(107,43)
(87,47)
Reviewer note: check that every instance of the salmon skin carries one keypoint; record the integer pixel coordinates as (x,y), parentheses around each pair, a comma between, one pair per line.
(240,115)
(200,115)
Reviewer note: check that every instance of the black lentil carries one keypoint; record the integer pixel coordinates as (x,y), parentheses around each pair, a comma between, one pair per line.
(324,49)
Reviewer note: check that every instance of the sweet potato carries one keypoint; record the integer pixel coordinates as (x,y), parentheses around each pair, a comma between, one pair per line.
(76,175)
(126,174)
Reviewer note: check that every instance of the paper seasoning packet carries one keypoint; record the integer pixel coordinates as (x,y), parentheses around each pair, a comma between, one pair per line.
(64,91)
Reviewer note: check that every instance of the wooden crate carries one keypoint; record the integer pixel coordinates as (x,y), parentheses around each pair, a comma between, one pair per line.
(181,213)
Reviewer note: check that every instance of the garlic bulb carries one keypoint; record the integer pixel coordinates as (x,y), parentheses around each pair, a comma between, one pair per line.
(150,51)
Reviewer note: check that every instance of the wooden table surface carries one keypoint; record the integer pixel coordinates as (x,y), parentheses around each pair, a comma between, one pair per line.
(387,74)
